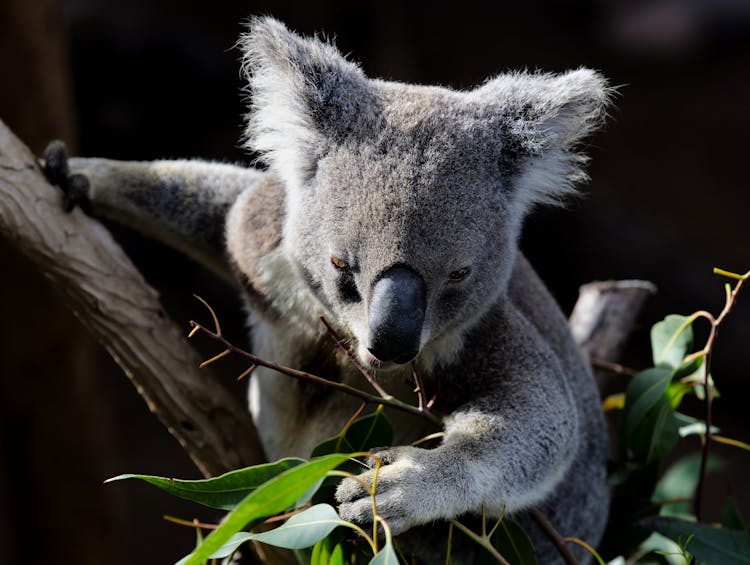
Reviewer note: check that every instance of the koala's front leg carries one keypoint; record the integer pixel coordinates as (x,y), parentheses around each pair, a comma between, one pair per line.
(506,449)
(483,462)
(182,203)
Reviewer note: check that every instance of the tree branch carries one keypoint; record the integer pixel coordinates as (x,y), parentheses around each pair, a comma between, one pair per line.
(110,297)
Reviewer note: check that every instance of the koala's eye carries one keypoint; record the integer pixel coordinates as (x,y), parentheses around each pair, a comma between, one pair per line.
(459,274)
(345,282)
(340,264)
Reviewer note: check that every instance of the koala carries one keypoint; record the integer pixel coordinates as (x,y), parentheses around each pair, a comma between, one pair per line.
(394,211)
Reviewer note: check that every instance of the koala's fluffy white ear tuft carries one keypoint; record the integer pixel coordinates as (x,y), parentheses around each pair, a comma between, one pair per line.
(302,92)
(542,119)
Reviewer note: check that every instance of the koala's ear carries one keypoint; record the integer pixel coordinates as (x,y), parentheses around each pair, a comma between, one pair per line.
(541,119)
(303,94)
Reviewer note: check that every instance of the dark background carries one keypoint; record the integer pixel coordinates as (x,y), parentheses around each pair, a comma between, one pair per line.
(143,79)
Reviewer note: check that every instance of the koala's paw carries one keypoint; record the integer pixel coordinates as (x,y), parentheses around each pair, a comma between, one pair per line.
(403,491)
(75,187)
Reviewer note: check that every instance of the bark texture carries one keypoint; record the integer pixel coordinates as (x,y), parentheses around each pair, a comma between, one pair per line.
(100,284)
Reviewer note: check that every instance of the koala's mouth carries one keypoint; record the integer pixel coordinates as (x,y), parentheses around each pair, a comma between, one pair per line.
(371,362)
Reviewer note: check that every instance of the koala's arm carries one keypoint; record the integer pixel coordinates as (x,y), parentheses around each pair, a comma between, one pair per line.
(505,449)
(182,203)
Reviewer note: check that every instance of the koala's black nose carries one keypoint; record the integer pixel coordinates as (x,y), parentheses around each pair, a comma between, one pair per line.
(396,315)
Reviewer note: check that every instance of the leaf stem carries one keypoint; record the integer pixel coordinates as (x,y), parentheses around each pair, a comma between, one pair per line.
(588,548)
(731,297)
(485,543)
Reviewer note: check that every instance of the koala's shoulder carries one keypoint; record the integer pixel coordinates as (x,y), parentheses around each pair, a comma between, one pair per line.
(254,227)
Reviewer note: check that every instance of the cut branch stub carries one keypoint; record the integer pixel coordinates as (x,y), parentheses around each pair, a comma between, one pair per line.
(605,314)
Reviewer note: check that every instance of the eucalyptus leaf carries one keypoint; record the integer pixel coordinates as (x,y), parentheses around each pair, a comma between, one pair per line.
(334,549)
(679,481)
(231,546)
(321,553)
(304,529)
(513,543)
(709,544)
(386,555)
(655,434)
(644,392)
(671,340)
(272,497)
(664,430)
(731,517)
(337,555)
(223,492)
(368,432)
(696,428)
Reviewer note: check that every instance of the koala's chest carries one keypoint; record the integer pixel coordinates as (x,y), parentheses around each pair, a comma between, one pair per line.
(293,416)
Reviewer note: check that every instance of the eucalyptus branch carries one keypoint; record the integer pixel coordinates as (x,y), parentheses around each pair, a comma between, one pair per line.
(706,352)
(481,540)
(424,404)
(346,349)
(554,536)
(389,401)
(614,368)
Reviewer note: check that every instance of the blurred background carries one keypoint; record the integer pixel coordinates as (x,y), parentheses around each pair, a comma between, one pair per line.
(669,198)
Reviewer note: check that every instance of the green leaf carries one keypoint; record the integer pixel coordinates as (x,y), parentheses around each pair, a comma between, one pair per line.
(321,553)
(664,430)
(644,392)
(272,497)
(692,426)
(332,550)
(652,558)
(337,555)
(304,529)
(731,517)
(386,555)
(709,544)
(511,540)
(223,492)
(679,481)
(671,340)
(655,435)
(368,432)
(231,546)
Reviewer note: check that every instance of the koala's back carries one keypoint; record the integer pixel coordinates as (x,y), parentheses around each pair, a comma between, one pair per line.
(579,504)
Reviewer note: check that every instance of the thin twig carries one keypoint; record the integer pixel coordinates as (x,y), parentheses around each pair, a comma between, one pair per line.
(731,297)
(615,368)
(195,523)
(554,536)
(368,376)
(423,404)
(247,372)
(481,541)
(304,376)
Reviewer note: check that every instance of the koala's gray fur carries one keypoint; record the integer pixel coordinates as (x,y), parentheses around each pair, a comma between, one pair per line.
(423,183)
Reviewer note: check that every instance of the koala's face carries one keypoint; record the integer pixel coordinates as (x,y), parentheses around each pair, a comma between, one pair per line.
(405,231)
(404,202)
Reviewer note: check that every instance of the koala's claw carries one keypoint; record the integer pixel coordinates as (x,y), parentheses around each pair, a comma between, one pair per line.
(75,187)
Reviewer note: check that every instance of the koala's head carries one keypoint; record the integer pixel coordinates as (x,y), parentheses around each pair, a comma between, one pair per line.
(404,202)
